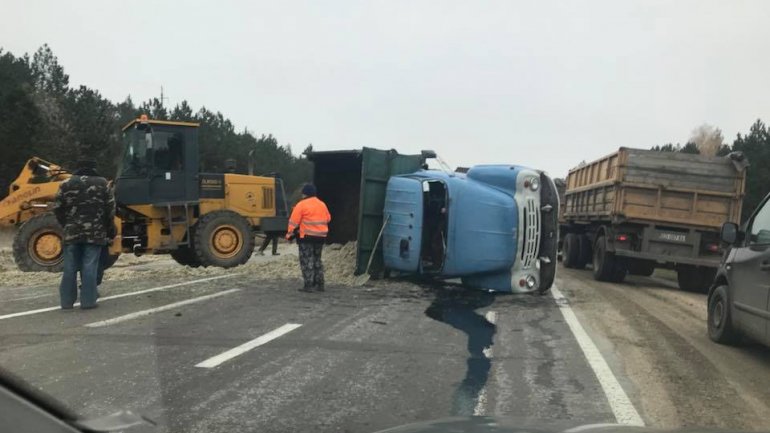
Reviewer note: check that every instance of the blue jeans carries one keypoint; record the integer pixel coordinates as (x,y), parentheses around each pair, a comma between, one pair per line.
(85,258)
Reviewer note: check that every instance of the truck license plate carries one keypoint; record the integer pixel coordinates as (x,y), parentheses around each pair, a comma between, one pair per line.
(680,238)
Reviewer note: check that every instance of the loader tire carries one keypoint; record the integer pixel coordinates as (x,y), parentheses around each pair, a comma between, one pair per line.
(224,239)
(37,246)
(186,256)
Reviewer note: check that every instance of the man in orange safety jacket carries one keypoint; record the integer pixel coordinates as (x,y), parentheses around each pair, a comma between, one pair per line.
(310,218)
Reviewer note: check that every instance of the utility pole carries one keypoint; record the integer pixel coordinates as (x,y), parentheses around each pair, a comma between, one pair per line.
(162,97)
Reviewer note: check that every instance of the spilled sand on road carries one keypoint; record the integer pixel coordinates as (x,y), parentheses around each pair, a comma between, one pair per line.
(339,263)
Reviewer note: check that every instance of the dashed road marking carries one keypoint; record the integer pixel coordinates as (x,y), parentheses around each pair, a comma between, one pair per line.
(245,347)
(622,408)
(481,400)
(150,311)
(122,295)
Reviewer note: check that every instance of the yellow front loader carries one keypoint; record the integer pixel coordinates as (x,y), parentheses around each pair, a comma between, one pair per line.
(164,204)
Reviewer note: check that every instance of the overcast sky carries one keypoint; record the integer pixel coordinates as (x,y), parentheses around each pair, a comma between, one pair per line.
(543,84)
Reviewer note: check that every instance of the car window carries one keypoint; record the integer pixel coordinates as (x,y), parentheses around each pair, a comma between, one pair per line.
(760,227)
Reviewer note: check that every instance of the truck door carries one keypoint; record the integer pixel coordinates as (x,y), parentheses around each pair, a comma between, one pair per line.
(750,277)
(402,237)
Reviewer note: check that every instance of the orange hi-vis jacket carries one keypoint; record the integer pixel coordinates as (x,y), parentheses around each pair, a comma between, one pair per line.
(312,217)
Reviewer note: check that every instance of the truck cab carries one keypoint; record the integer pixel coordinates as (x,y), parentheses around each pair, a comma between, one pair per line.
(494,227)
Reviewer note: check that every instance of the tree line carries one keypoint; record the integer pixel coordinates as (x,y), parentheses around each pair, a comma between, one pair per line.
(755,145)
(42,115)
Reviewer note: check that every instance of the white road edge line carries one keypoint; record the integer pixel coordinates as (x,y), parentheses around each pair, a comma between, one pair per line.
(150,311)
(245,347)
(481,401)
(624,411)
(122,295)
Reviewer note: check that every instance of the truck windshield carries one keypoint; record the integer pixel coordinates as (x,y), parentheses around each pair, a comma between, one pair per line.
(435,223)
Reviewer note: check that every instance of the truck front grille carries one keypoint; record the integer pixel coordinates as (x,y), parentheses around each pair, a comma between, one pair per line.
(531,232)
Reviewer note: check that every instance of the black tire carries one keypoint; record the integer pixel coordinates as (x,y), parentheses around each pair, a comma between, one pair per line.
(223,238)
(584,251)
(186,256)
(571,250)
(720,321)
(695,279)
(644,268)
(37,246)
(607,267)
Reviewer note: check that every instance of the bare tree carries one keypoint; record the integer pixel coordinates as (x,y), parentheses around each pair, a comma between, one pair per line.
(708,139)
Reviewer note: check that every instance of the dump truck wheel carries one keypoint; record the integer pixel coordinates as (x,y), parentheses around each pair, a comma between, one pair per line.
(603,261)
(584,251)
(186,256)
(37,246)
(223,238)
(695,279)
(571,250)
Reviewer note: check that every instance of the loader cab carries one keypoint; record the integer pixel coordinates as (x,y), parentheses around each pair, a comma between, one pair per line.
(160,163)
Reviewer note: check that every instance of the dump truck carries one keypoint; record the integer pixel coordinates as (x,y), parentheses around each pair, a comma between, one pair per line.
(164,204)
(636,210)
(494,227)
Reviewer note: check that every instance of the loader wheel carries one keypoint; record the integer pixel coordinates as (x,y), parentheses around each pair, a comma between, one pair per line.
(37,246)
(223,238)
(607,267)
(186,256)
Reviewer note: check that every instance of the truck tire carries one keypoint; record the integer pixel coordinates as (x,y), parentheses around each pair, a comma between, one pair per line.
(607,267)
(584,252)
(224,239)
(186,256)
(643,268)
(571,251)
(694,278)
(37,246)
(720,321)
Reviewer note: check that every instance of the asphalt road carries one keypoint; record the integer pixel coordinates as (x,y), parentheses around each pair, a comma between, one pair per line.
(365,359)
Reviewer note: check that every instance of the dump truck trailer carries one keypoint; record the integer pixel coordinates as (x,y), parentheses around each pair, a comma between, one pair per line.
(636,210)
(494,227)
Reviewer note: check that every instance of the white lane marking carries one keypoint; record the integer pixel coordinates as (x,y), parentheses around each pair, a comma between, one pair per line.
(245,347)
(481,401)
(122,295)
(150,311)
(622,408)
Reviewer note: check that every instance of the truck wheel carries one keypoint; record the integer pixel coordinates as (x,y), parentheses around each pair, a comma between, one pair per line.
(695,279)
(37,246)
(223,238)
(603,261)
(186,256)
(584,251)
(720,321)
(644,268)
(571,250)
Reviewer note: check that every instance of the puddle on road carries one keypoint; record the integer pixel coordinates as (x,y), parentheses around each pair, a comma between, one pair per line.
(458,310)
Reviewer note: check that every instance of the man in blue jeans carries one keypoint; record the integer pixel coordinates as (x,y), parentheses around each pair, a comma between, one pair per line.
(85,208)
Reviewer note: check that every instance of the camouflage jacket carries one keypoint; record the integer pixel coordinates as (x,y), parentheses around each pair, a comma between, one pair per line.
(85,208)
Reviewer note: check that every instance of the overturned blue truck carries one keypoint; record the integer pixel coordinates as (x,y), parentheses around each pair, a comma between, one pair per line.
(494,227)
